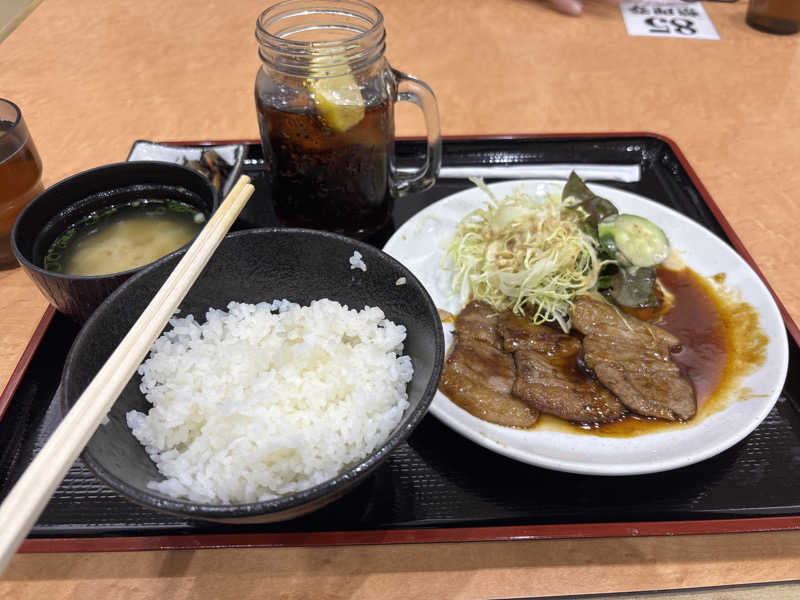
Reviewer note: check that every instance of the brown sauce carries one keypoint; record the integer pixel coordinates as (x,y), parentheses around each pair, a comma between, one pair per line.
(698,321)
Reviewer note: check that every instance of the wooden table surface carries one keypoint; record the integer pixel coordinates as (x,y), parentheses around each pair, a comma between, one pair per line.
(92,76)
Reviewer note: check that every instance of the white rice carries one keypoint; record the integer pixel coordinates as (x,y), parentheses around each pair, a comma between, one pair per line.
(269,399)
(357,262)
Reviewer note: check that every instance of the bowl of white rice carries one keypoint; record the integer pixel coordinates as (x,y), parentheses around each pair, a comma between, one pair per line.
(295,365)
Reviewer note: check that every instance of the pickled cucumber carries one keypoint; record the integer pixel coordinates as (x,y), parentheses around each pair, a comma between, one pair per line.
(633,240)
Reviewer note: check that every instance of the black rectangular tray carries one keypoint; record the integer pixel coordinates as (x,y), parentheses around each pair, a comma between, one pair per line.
(439,486)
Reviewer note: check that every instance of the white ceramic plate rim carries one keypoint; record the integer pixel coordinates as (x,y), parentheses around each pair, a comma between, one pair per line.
(417,245)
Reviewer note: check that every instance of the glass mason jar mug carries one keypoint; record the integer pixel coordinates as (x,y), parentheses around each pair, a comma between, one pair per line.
(325,99)
(20,174)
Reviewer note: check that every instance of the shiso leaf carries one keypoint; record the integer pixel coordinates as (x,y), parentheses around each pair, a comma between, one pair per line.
(591,207)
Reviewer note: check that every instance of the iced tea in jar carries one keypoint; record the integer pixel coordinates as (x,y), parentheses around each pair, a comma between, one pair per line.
(325,99)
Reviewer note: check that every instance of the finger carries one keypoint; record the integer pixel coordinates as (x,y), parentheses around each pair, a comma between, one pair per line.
(570,7)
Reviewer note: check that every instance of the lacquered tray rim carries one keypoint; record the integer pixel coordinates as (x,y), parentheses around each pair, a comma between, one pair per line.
(25,359)
(432,535)
(410,536)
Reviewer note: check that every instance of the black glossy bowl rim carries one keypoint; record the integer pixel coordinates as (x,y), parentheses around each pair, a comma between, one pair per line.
(70,180)
(309,496)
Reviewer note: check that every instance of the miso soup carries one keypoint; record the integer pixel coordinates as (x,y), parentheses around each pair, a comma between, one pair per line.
(123,237)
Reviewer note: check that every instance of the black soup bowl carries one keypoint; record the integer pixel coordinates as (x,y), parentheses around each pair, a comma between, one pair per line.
(255,266)
(90,192)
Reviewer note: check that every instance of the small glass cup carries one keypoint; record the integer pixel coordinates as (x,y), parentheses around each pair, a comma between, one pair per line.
(20,174)
(325,99)
(774,16)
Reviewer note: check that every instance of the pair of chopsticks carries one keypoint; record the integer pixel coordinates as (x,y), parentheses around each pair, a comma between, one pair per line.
(30,494)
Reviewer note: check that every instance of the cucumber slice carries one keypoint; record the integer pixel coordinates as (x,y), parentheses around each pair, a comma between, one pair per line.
(633,241)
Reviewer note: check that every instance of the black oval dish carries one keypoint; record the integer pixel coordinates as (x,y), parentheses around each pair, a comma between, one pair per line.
(253,266)
(68,201)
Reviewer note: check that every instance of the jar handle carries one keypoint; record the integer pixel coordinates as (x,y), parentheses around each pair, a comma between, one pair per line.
(411,89)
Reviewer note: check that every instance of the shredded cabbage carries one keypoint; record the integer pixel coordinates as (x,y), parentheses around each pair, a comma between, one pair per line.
(526,254)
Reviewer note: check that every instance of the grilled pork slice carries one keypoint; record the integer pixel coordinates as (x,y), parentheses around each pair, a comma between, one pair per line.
(548,376)
(632,359)
(464,381)
(489,366)
(478,375)
(549,388)
(519,333)
(478,321)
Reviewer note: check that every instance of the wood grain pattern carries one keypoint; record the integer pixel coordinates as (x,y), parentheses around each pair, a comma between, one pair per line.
(92,76)
(466,570)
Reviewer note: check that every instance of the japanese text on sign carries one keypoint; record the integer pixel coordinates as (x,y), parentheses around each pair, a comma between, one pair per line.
(668,19)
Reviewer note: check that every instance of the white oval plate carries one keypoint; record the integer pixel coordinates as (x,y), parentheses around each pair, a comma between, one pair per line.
(418,245)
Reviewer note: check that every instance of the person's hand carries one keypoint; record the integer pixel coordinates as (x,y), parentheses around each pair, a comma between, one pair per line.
(575,7)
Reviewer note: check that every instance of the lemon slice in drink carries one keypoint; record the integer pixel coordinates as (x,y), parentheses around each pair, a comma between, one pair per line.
(335,92)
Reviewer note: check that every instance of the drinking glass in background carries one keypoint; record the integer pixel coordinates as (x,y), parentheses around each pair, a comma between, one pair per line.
(774,16)
(20,174)
(325,99)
